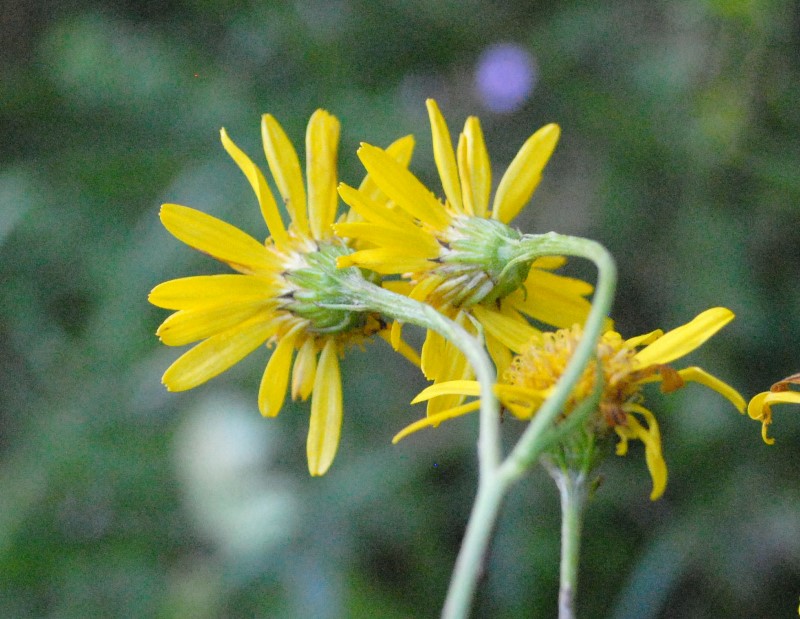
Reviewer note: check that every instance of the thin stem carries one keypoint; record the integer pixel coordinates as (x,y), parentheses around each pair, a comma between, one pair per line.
(573,490)
(535,438)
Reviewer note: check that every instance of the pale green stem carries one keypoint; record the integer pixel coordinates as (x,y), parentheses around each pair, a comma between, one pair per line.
(574,495)
(496,477)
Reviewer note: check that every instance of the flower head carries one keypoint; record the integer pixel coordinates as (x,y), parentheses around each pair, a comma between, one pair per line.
(625,366)
(285,293)
(457,255)
(760,407)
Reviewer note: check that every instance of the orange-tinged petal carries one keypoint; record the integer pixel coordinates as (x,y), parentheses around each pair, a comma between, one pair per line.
(403,187)
(215,355)
(435,420)
(322,145)
(523,175)
(207,290)
(444,156)
(272,391)
(326,412)
(684,339)
(304,371)
(218,239)
(651,438)
(285,168)
(269,209)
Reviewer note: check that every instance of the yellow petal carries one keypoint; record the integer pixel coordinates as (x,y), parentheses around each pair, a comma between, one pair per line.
(759,408)
(552,306)
(207,290)
(479,168)
(452,387)
(523,175)
(399,345)
(432,355)
(384,260)
(414,243)
(326,412)
(269,209)
(215,355)
(444,156)
(463,175)
(651,437)
(510,331)
(272,391)
(305,370)
(285,168)
(403,187)
(549,263)
(543,281)
(400,150)
(435,420)
(187,326)
(322,145)
(218,239)
(373,211)
(500,354)
(684,339)
(698,375)
(757,405)
(645,339)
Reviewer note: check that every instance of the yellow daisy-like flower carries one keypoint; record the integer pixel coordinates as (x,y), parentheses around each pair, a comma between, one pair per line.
(457,255)
(282,292)
(760,407)
(626,365)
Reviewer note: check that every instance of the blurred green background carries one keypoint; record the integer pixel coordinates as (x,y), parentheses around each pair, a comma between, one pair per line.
(680,152)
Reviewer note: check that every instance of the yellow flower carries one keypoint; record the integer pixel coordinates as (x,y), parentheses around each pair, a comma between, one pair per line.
(280,293)
(457,255)
(533,374)
(760,407)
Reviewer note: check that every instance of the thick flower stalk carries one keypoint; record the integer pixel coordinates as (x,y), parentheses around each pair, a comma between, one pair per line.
(286,292)
(624,366)
(458,255)
(760,407)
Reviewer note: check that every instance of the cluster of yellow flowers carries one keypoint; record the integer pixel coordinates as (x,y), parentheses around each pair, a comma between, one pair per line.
(453,254)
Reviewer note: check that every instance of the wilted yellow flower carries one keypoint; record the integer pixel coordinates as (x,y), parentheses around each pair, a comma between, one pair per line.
(533,374)
(458,255)
(760,407)
(282,292)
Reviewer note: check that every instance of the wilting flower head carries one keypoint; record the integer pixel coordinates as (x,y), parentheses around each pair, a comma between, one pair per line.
(625,365)
(760,407)
(282,293)
(457,255)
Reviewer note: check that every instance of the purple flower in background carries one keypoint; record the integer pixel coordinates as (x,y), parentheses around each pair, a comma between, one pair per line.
(505,77)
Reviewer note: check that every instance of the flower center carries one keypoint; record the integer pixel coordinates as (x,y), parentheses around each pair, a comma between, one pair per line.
(476,262)
(315,292)
(542,363)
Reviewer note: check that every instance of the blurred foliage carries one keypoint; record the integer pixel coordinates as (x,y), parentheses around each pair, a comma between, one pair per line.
(680,152)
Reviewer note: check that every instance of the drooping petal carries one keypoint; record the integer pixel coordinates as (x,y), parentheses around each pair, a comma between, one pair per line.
(760,408)
(399,345)
(207,290)
(269,209)
(699,375)
(434,420)
(444,156)
(403,187)
(272,391)
(325,423)
(285,168)
(479,168)
(215,355)
(684,339)
(187,326)
(523,175)
(651,437)
(218,239)
(322,145)
(305,370)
